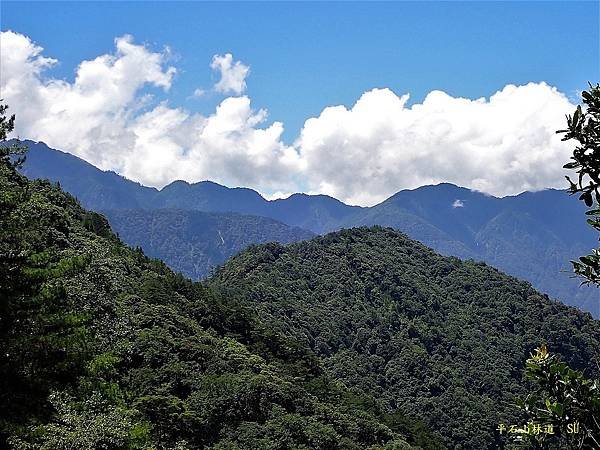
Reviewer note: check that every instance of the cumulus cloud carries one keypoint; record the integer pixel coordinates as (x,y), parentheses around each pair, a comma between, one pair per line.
(105,118)
(226,147)
(233,74)
(458,204)
(500,145)
(89,116)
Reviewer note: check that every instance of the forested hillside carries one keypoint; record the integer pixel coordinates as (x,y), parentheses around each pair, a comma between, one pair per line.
(532,236)
(443,338)
(359,339)
(195,242)
(102,347)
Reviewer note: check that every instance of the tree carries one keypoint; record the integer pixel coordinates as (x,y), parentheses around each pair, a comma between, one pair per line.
(563,398)
(7,125)
(584,127)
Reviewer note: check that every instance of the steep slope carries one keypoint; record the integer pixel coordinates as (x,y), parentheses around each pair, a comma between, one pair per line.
(95,189)
(452,220)
(437,336)
(194,242)
(101,347)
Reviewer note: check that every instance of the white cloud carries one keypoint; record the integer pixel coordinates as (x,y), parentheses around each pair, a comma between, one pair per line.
(198,92)
(225,147)
(233,74)
(104,118)
(458,204)
(502,145)
(89,116)
(278,195)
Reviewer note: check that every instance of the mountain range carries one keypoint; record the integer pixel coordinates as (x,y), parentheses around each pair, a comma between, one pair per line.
(532,235)
(102,347)
(359,339)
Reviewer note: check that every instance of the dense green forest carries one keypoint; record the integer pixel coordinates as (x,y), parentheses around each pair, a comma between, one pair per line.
(531,236)
(443,338)
(102,347)
(360,339)
(194,242)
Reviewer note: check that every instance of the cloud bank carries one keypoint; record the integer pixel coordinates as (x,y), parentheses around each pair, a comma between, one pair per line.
(500,145)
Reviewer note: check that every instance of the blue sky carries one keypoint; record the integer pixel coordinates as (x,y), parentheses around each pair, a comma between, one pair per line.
(304,60)
(305,56)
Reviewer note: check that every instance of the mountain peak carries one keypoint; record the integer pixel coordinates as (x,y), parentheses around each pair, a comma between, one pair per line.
(177,183)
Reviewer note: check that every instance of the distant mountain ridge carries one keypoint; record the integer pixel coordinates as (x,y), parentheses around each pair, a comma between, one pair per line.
(532,235)
(104,190)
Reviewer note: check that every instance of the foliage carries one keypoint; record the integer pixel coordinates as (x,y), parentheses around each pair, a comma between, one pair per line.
(89,424)
(104,348)
(10,154)
(564,398)
(195,242)
(584,127)
(433,337)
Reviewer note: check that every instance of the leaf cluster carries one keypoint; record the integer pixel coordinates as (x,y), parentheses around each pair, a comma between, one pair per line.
(584,127)
(561,397)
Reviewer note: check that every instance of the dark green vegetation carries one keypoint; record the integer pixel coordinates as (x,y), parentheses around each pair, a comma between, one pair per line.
(359,339)
(102,347)
(531,236)
(563,398)
(194,242)
(442,338)
(584,127)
